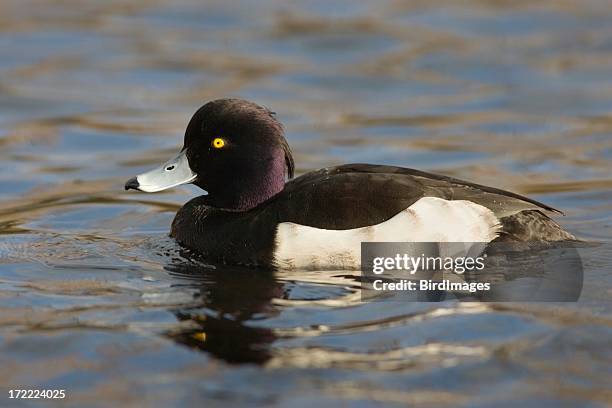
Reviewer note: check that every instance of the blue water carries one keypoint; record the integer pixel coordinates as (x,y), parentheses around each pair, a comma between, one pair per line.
(97,300)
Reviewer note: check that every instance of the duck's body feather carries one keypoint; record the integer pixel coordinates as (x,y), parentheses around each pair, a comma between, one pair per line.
(349,198)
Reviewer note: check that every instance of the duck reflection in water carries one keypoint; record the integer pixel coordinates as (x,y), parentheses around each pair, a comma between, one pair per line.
(229,300)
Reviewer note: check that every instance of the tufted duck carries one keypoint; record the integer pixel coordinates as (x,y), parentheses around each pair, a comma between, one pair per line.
(236,151)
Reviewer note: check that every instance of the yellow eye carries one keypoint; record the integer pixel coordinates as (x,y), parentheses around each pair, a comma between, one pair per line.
(218,143)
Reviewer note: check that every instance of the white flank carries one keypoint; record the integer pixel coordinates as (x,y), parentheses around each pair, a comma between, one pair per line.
(430,219)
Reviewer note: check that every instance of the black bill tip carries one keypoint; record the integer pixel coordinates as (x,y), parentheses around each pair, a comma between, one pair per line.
(132,184)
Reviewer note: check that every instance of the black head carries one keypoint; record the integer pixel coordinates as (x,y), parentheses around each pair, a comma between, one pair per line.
(239,153)
(234,149)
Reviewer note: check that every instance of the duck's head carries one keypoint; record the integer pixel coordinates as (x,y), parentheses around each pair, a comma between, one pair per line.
(234,149)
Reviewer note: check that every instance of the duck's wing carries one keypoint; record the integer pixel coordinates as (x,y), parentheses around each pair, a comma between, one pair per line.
(449,181)
(358,195)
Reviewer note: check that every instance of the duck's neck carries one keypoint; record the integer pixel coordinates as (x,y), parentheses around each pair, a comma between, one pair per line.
(252,186)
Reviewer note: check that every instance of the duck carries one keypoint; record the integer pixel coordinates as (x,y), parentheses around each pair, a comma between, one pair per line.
(257,213)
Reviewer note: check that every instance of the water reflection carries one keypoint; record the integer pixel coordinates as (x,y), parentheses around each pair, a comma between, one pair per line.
(226,302)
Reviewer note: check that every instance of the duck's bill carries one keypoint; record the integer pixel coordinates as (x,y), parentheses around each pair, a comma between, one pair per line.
(171,174)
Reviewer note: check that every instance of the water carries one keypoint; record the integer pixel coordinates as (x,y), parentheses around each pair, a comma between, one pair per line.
(97,300)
